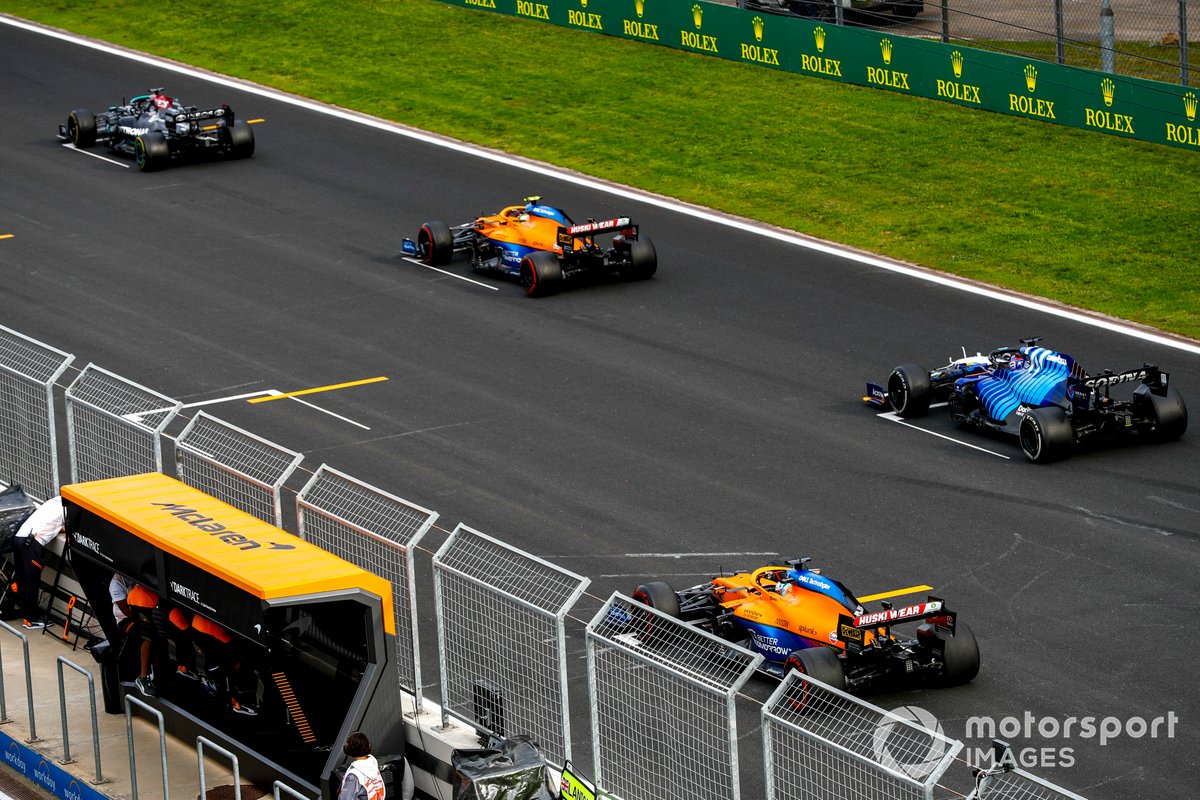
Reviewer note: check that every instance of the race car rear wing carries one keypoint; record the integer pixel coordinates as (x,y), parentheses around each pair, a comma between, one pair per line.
(568,233)
(1148,374)
(224,113)
(850,629)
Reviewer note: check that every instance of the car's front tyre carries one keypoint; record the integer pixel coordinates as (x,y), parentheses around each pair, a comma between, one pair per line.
(81,128)
(910,390)
(435,243)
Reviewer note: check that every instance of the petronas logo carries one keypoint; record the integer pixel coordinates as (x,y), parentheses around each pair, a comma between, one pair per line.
(1107,87)
(956,61)
(885,46)
(1189,106)
(758,28)
(819,35)
(640,7)
(1030,77)
(697,15)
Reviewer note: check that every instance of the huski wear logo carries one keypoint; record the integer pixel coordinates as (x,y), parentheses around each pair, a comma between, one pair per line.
(909,740)
(953,90)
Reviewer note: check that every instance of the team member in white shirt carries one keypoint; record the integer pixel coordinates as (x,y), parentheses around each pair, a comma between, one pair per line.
(35,533)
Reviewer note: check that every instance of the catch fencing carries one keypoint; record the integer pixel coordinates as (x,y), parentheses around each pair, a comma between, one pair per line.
(234,465)
(663,694)
(28,445)
(502,639)
(377,531)
(115,426)
(856,750)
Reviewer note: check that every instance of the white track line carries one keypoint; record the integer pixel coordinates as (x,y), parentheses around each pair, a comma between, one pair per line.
(451,274)
(894,417)
(70,146)
(679,207)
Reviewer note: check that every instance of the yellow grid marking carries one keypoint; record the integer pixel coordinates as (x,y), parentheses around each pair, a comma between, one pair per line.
(318,389)
(894,593)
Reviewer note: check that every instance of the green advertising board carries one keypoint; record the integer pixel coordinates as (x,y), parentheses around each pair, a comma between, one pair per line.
(1135,108)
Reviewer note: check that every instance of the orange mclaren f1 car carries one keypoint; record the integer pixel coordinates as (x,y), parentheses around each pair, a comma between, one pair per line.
(799,619)
(540,245)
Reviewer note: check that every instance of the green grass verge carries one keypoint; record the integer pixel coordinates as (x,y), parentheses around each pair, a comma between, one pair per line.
(1087,219)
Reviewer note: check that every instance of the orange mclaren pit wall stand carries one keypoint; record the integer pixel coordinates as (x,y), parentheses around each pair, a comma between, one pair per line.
(311,637)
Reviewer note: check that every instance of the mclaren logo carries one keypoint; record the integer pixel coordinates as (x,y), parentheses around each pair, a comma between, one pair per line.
(213,528)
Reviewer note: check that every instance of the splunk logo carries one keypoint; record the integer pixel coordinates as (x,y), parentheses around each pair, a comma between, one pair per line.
(213,528)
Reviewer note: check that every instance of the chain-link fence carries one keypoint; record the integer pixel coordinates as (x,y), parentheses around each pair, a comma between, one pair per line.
(820,742)
(502,639)
(28,445)
(115,426)
(233,465)
(377,531)
(662,696)
(1141,38)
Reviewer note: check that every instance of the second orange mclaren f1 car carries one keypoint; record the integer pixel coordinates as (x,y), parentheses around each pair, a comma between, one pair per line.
(540,245)
(800,619)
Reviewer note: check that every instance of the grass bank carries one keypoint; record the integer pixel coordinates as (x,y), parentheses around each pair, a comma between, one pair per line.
(1087,219)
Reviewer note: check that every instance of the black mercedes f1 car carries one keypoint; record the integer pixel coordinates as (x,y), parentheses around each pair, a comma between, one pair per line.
(156,129)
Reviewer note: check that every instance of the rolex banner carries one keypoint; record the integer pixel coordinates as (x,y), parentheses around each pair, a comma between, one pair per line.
(1152,111)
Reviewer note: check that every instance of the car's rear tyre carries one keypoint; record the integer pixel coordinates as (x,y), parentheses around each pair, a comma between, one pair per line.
(1166,415)
(237,140)
(151,151)
(541,274)
(960,655)
(435,243)
(643,259)
(1046,435)
(81,128)
(910,390)
(820,663)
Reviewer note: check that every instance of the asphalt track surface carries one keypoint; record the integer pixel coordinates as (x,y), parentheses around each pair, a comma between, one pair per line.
(707,419)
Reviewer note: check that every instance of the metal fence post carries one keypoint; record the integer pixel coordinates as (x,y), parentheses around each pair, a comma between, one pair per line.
(237,779)
(131,701)
(1183,43)
(1060,51)
(1106,36)
(62,705)
(280,786)
(945,20)
(33,737)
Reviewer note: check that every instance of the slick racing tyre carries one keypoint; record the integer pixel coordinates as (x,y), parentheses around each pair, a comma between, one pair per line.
(960,655)
(1046,435)
(81,128)
(237,141)
(541,274)
(1166,417)
(151,151)
(435,243)
(820,663)
(643,260)
(909,390)
(662,598)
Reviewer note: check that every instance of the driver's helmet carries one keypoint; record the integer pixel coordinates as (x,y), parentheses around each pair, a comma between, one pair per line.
(160,101)
(1005,358)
